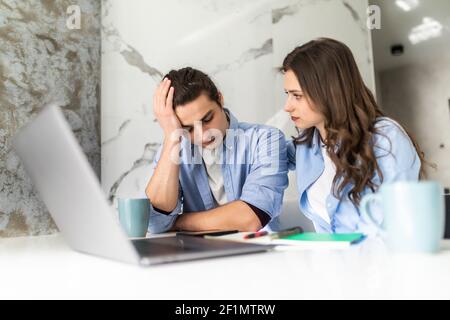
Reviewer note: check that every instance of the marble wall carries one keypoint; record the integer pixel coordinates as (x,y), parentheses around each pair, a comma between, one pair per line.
(43,61)
(418,95)
(239,43)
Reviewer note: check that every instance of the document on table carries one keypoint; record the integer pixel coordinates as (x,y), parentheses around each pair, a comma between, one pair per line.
(303,241)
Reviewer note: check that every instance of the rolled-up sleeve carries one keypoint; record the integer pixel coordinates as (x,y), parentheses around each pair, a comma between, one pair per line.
(265,184)
(160,222)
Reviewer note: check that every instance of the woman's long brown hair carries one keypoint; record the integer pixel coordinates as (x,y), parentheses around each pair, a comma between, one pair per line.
(329,77)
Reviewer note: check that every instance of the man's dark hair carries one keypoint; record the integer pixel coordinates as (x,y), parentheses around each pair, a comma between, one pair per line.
(189,84)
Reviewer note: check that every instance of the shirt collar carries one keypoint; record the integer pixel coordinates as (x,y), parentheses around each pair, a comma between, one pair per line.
(316,142)
(234,125)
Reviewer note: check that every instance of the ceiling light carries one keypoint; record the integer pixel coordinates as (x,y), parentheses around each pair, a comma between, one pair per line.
(429,29)
(407,5)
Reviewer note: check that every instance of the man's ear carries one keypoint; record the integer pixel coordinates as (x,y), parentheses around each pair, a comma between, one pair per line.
(221,99)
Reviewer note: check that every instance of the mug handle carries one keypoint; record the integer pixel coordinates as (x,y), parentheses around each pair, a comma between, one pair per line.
(365,207)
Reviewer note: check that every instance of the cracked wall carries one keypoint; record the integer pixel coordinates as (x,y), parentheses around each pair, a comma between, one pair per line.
(43,61)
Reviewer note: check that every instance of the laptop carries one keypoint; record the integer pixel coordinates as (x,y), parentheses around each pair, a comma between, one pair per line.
(71,191)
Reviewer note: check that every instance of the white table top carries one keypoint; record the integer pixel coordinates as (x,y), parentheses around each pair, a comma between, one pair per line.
(45,268)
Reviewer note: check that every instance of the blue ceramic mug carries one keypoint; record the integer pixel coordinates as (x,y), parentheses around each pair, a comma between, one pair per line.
(413,212)
(134,216)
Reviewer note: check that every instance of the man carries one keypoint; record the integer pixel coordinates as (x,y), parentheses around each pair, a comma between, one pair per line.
(212,172)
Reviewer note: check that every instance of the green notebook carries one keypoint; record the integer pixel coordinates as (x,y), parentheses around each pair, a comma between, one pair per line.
(323,237)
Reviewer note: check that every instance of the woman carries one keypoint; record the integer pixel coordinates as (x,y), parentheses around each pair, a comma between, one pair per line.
(346,146)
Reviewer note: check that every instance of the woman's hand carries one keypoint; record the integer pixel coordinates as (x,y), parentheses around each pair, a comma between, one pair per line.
(163,108)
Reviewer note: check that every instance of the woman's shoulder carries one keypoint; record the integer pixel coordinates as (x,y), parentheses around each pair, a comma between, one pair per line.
(386,123)
(389,128)
(392,137)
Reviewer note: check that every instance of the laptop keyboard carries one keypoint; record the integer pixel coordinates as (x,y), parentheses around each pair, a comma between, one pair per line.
(160,246)
(184,244)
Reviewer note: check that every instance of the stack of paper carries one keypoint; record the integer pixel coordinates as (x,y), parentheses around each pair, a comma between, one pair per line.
(302,241)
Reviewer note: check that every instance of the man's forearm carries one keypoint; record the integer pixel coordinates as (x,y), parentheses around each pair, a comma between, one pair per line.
(162,190)
(236,215)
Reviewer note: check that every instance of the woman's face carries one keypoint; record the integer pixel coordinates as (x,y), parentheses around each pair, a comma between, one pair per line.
(301,110)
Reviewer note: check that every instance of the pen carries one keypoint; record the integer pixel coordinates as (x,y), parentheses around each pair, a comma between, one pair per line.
(357,241)
(286,233)
(256,234)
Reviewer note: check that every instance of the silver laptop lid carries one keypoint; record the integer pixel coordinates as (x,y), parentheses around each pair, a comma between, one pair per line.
(69,187)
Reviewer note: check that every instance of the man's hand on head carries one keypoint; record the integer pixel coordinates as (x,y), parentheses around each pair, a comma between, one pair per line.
(163,108)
